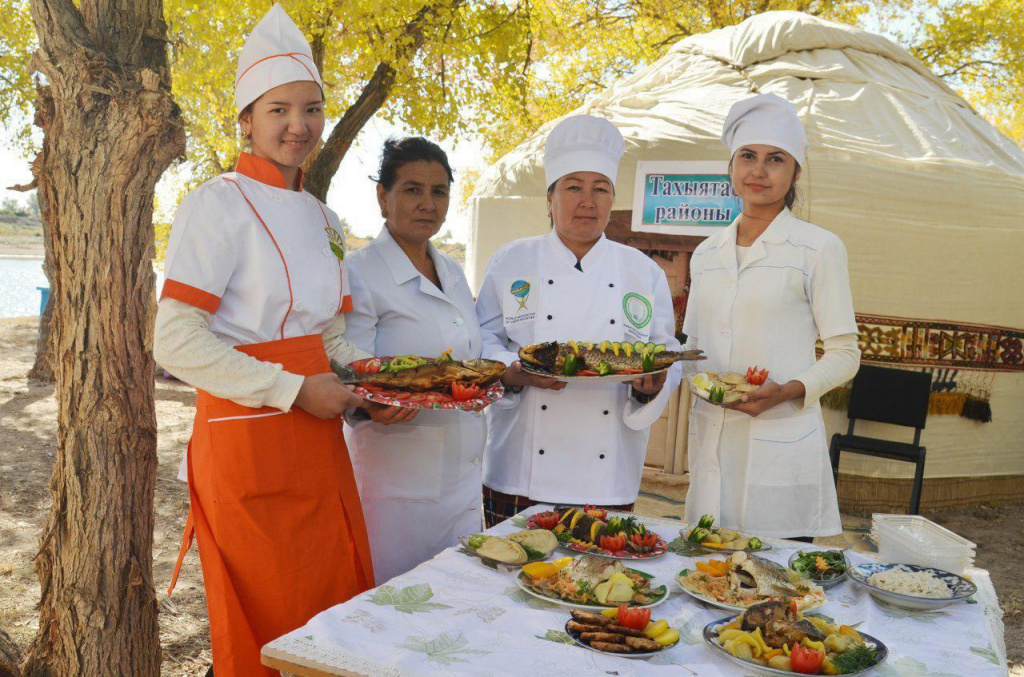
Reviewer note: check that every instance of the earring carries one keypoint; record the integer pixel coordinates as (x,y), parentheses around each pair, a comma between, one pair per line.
(384,213)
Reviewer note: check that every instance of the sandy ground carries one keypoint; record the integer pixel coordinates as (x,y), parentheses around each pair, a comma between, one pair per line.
(27,449)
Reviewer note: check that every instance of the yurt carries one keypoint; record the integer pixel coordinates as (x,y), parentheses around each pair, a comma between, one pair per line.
(927,196)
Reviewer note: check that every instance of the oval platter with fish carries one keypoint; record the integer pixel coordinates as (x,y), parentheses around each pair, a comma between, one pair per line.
(604,360)
(419,382)
(744,580)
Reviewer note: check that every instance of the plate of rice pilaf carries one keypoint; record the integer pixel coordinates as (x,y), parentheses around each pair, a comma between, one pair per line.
(911,586)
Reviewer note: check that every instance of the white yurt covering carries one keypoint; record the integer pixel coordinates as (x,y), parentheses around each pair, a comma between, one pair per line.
(927,196)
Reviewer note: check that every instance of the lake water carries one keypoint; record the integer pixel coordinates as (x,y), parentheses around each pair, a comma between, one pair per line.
(19,278)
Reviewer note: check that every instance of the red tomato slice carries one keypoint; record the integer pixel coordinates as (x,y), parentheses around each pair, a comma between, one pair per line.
(463,391)
(630,371)
(635,619)
(587,372)
(806,661)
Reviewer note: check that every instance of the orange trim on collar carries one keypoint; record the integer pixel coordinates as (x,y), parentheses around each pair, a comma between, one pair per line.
(262,170)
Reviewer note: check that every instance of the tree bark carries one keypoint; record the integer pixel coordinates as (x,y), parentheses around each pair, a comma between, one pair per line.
(115,129)
(318,179)
(10,656)
(42,369)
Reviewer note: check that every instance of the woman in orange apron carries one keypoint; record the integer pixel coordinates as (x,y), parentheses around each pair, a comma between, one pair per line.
(250,314)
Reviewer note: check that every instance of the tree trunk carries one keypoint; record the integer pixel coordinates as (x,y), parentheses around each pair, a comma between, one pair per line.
(10,656)
(42,370)
(115,129)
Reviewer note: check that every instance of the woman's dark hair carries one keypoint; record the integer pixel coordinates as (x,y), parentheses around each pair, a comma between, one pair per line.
(398,152)
(791,193)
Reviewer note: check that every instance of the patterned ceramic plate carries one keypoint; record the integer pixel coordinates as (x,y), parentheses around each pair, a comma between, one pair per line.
(656,585)
(828,583)
(960,587)
(575,636)
(711,639)
(659,549)
(428,400)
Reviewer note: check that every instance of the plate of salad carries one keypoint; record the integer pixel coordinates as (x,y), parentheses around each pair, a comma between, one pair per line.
(826,568)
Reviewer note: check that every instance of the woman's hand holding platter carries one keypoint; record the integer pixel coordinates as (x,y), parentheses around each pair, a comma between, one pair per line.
(515,376)
(769,395)
(325,396)
(650,384)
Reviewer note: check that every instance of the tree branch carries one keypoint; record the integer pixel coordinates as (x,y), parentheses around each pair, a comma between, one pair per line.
(59,24)
(373,96)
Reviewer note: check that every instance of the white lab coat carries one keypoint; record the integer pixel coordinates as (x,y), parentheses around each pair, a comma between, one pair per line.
(768,475)
(419,481)
(586,443)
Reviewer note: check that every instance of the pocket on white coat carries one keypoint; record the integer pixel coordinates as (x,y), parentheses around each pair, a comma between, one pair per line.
(786,452)
(399,462)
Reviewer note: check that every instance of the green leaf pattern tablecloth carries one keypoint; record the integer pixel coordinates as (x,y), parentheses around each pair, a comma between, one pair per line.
(455,616)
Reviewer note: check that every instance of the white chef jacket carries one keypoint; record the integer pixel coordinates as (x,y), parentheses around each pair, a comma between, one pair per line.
(257,255)
(586,443)
(419,481)
(792,286)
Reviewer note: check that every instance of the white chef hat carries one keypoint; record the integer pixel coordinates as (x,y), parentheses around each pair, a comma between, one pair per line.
(765,119)
(275,54)
(582,143)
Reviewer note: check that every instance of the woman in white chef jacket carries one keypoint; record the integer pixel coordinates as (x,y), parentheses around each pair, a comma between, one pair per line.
(762,291)
(420,482)
(584,443)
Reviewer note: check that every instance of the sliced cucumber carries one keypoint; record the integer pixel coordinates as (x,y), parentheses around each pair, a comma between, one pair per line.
(638,347)
(659,348)
(650,347)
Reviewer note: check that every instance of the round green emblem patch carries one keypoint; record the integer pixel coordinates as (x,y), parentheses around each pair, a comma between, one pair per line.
(637,309)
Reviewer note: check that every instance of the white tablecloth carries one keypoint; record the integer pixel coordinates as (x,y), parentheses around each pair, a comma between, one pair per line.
(453,615)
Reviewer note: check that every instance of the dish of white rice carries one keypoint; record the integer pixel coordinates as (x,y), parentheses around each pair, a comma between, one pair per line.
(915,584)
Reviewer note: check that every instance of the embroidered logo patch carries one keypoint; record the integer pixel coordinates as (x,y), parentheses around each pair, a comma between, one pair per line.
(637,310)
(520,290)
(337,243)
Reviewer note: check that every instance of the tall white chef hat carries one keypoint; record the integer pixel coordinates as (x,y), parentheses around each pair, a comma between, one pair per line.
(582,143)
(765,119)
(275,54)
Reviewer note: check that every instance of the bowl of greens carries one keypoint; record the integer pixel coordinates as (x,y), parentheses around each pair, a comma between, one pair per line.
(826,568)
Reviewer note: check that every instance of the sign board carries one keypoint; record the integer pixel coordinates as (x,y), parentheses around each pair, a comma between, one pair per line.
(683,198)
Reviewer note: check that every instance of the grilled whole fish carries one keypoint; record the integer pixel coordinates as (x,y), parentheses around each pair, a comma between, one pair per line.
(619,356)
(593,569)
(430,376)
(754,575)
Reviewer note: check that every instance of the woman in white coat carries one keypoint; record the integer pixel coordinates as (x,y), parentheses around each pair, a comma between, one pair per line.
(419,482)
(584,443)
(762,291)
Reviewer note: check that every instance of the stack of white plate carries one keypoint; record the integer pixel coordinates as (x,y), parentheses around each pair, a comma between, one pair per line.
(912,539)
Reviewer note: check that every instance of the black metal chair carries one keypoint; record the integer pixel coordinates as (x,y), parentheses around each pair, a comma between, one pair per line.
(893,396)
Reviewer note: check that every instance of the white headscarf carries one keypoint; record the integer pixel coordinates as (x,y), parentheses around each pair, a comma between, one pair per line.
(275,54)
(765,119)
(583,143)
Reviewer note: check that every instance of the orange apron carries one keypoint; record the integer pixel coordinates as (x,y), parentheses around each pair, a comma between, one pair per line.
(276,512)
